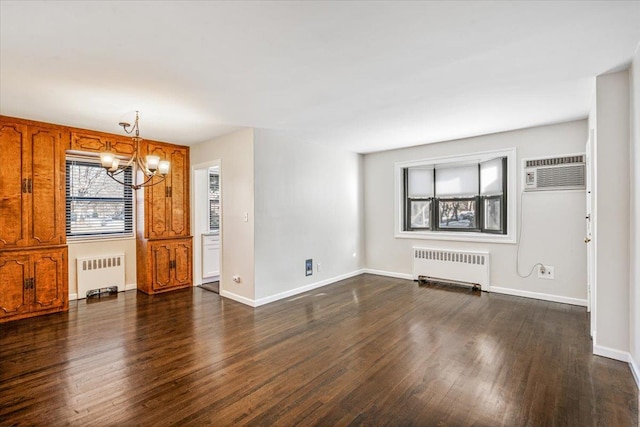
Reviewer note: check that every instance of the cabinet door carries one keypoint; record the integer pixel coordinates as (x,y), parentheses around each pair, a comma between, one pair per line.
(14,175)
(178,202)
(88,142)
(210,260)
(98,143)
(123,146)
(46,189)
(157,210)
(14,295)
(182,263)
(49,281)
(161,266)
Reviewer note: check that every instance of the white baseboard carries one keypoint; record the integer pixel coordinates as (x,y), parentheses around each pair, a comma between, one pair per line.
(238,298)
(635,370)
(73,297)
(611,353)
(541,296)
(389,274)
(306,288)
(282,295)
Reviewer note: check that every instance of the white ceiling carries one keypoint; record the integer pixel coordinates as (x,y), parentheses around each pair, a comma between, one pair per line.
(364,76)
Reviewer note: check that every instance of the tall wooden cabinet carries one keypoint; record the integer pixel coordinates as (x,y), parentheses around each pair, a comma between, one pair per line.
(164,243)
(33,253)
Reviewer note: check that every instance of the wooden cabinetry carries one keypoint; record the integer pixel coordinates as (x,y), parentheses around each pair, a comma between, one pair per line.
(32,199)
(96,142)
(167,204)
(33,254)
(33,282)
(164,245)
(169,265)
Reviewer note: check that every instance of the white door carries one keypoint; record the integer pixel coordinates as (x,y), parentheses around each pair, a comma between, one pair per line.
(589,233)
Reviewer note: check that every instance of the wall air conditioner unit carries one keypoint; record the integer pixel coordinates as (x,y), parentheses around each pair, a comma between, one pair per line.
(555,173)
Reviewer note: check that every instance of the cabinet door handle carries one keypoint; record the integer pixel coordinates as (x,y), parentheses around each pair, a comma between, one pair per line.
(170,193)
(30,185)
(24,185)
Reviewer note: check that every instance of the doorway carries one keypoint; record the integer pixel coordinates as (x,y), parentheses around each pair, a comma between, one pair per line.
(207,229)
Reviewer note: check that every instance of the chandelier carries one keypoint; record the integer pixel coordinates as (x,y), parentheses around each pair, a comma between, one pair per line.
(150,167)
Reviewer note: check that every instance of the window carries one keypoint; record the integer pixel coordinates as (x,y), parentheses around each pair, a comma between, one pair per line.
(97,206)
(456,195)
(214,200)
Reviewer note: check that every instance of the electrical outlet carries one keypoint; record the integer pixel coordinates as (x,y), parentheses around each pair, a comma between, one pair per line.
(546,272)
(318,267)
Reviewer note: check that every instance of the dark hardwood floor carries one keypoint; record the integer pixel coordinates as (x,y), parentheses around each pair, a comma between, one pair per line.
(365,351)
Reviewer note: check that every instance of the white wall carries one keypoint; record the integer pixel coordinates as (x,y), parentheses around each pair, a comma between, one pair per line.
(235,152)
(308,204)
(103,247)
(612,196)
(553,221)
(634,309)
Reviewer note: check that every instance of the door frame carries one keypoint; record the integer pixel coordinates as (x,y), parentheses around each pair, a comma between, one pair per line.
(196,215)
(590,220)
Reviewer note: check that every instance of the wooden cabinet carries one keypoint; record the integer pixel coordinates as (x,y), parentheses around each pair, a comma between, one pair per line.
(96,142)
(164,245)
(33,282)
(168,266)
(167,203)
(32,199)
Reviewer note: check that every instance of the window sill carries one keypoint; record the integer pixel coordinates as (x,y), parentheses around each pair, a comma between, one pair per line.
(94,239)
(457,236)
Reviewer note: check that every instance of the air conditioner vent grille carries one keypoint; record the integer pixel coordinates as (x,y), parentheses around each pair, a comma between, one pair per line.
(561,176)
(555,161)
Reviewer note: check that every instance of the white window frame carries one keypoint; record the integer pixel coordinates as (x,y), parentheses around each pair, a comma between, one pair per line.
(512,176)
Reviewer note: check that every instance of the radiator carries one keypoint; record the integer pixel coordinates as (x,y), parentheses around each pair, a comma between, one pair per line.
(462,267)
(99,272)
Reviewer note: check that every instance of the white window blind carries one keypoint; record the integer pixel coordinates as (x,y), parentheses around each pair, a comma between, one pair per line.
(97,205)
(420,182)
(459,181)
(491,177)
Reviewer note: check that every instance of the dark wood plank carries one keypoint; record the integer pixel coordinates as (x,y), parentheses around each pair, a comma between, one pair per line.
(365,351)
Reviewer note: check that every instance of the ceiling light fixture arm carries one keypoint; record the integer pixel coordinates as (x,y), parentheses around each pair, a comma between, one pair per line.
(152,167)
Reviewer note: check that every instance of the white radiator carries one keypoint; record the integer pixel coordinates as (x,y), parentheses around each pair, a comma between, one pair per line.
(98,272)
(452,266)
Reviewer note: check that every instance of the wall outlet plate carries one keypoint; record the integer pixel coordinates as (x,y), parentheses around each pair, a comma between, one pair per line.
(546,272)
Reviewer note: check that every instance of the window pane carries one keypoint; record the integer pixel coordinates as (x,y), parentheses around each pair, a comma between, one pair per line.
(214,201)
(420,182)
(457,214)
(493,214)
(96,204)
(96,217)
(491,177)
(420,210)
(460,181)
